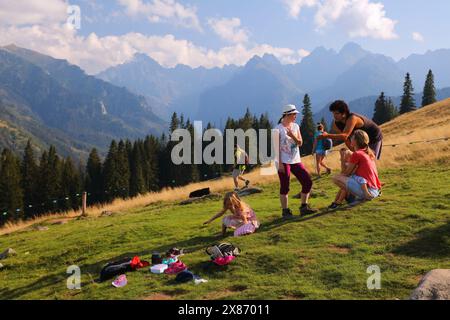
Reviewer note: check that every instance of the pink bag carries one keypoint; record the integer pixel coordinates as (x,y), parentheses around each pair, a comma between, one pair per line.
(245,229)
(223,261)
(175,268)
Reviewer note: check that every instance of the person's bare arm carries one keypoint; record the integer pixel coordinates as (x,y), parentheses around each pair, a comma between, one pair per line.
(342,135)
(218,215)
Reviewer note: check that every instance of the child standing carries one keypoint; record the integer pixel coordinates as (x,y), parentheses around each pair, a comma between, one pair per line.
(364,184)
(319,150)
(243,217)
(290,139)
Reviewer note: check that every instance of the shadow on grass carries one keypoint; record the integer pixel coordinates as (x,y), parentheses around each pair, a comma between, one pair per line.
(7,294)
(190,245)
(297,218)
(429,243)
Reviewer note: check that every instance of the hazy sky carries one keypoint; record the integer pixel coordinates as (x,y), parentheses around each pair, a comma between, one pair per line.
(216,32)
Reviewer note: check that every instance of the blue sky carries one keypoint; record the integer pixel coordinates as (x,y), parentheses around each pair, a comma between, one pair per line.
(213,33)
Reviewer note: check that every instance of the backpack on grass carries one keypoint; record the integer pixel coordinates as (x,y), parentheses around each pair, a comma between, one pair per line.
(223,250)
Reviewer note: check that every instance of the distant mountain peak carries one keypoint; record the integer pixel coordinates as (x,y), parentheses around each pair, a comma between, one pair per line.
(351,47)
(11,46)
(270,58)
(267,60)
(144,58)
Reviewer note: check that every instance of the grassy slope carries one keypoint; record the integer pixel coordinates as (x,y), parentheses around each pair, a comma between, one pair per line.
(406,233)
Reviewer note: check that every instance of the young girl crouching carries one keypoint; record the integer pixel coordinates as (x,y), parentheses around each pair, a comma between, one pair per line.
(243,218)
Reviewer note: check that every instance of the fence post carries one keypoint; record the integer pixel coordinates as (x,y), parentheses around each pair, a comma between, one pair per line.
(83,206)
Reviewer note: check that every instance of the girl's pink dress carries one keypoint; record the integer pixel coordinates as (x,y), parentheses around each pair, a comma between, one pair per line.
(236,222)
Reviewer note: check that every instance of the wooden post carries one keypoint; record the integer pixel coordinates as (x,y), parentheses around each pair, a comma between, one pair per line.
(83,205)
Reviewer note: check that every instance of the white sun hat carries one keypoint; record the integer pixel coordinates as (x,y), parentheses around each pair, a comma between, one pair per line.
(290,109)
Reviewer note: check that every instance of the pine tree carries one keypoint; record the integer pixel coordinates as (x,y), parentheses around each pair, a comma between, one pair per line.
(392,109)
(29,170)
(137,182)
(123,169)
(49,180)
(70,186)
(380,113)
(152,150)
(111,181)
(93,181)
(307,126)
(174,123)
(408,104)
(385,110)
(429,90)
(11,193)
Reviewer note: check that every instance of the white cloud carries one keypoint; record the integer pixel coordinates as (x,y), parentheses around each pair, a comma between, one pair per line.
(418,37)
(94,53)
(229,29)
(43,28)
(163,11)
(25,12)
(294,7)
(303,53)
(359,18)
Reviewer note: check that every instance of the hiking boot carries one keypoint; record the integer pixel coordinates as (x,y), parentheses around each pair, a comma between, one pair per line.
(307,210)
(335,206)
(287,214)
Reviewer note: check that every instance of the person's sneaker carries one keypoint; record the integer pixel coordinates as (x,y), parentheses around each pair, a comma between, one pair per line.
(307,210)
(335,206)
(287,214)
(328,171)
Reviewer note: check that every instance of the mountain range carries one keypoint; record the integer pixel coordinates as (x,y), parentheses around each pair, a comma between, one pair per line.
(54,102)
(264,84)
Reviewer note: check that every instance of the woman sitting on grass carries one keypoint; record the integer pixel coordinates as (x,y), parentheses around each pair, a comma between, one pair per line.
(243,218)
(364,184)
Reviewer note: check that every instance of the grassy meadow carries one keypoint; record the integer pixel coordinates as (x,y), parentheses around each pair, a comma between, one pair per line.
(406,233)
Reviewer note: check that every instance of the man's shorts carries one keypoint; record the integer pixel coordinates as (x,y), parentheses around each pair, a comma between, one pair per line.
(239,171)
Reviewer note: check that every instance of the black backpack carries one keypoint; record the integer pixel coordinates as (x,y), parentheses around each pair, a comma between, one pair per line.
(116,268)
(226,249)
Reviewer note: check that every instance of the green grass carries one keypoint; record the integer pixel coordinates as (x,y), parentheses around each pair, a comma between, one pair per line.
(406,233)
